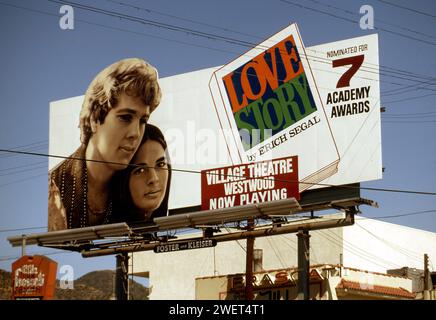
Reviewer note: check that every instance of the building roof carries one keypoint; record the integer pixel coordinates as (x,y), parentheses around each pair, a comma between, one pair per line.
(364,287)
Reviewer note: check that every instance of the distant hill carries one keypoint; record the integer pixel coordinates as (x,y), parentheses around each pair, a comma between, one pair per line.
(96,285)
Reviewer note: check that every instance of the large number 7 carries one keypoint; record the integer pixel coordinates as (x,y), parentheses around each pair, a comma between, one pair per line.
(355,62)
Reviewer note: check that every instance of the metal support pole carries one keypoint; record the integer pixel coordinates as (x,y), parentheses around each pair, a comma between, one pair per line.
(303,265)
(23,246)
(249,265)
(121,276)
(427,279)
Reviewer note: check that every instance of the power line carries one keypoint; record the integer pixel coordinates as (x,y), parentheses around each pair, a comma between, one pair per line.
(340,242)
(395,71)
(15,172)
(409,88)
(22,229)
(408,9)
(376,19)
(408,253)
(23,166)
(234,31)
(416,97)
(41,142)
(361,252)
(38,145)
(403,214)
(276,252)
(354,22)
(418,114)
(237,241)
(408,122)
(119,29)
(5,156)
(178,28)
(182,19)
(155,23)
(411,98)
(412,117)
(51,253)
(229,175)
(22,180)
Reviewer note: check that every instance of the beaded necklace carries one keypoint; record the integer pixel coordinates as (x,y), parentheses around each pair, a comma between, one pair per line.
(83,216)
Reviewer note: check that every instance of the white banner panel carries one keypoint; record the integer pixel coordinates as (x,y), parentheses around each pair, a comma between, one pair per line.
(337,142)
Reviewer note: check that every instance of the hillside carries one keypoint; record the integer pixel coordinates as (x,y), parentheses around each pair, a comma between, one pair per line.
(96,285)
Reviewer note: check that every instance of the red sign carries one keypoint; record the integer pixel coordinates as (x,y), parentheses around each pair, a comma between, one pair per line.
(33,277)
(249,183)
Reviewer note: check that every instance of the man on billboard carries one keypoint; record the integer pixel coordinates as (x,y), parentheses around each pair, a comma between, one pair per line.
(114,114)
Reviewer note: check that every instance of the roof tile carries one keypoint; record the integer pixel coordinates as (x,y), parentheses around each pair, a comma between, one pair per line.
(364,287)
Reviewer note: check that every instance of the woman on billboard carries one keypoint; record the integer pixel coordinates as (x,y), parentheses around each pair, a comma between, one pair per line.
(113,118)
(145,184)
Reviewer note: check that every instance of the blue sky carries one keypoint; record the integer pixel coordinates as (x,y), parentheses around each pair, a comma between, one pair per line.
(40,63)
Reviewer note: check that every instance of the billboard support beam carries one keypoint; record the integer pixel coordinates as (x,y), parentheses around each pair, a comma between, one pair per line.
(249,295)
(348,220)
(303,265)
(121,276)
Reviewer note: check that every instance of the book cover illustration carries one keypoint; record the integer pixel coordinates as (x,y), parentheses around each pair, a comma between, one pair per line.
(268,100)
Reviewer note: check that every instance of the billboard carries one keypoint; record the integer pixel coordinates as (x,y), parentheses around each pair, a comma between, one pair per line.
(318,105)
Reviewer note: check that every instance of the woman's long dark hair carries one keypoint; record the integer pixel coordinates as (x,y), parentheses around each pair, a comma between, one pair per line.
(124,207)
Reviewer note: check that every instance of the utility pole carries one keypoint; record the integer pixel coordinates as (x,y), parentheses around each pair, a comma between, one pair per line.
(23,246)
(426,278)
(249,295)
(121,276)
(303,265)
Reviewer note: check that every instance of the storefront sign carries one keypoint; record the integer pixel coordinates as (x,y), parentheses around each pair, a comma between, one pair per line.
(33,277)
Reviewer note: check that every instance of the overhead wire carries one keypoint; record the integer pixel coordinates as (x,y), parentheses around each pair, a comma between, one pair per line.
(411,98)
(276,252)
(23,166)
(408,253)
(403,214)
(22,180)
(273,249)
(206,47)
(229,175)
(22,229)
(409,88)
(255,36)
(354,22)
(16,172)
(408,9)
(237,241)
(154,23)
(139,8)
(177,28)
(29,147)
(375,19)
(148,10)
(355,250)
(410,115)
(51,253)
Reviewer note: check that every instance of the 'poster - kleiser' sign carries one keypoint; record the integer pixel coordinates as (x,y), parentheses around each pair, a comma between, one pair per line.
(186,245)
(249,183)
